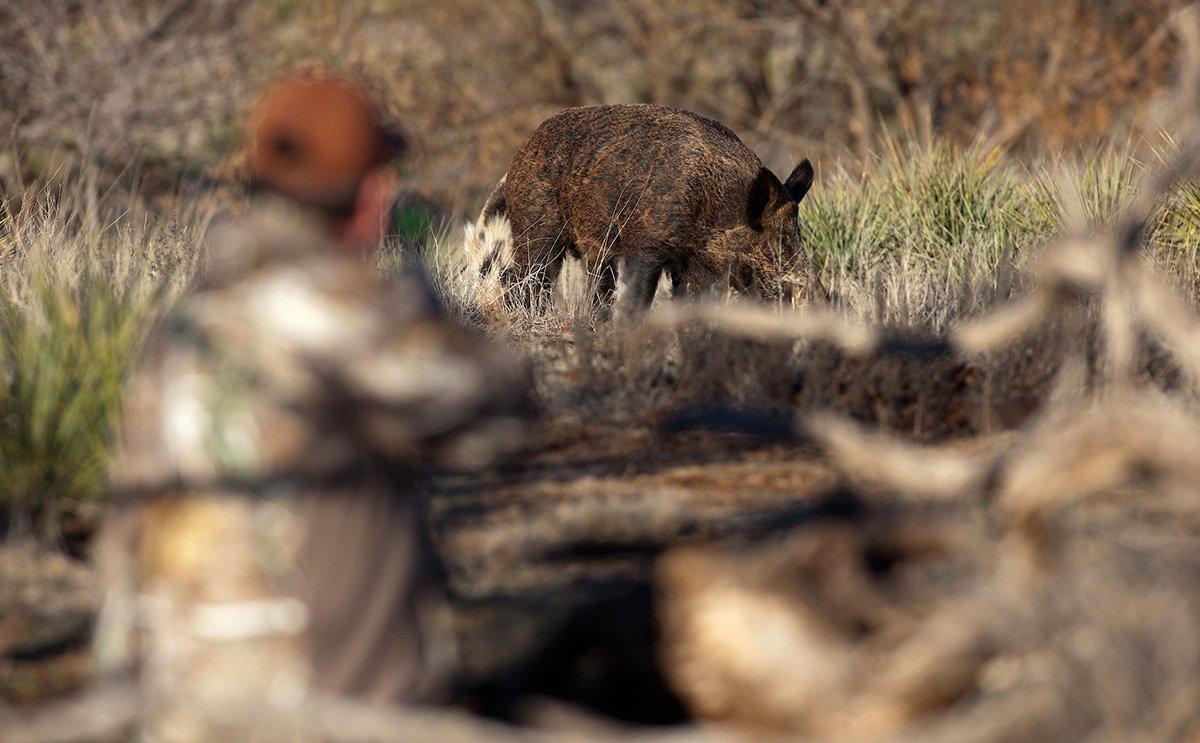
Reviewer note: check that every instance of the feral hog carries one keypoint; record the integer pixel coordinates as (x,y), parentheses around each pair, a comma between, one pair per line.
(638,190)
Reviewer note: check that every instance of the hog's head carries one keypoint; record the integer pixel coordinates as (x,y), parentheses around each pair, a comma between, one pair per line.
(772,263)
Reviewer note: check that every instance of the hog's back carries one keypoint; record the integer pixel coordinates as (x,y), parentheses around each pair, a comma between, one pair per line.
(630,179)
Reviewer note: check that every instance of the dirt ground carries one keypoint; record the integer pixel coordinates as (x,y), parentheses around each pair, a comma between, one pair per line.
(529,548)
(551,560)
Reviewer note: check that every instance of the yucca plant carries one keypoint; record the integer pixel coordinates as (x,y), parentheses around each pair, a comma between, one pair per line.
(844,220)
(65,355)
(78,298)
(1085,192)
(1176,228)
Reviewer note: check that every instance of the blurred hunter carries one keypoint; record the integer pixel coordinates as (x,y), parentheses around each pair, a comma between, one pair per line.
(269,545)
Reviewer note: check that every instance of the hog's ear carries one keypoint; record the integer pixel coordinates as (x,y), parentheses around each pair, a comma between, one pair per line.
(800,181)
(764,192)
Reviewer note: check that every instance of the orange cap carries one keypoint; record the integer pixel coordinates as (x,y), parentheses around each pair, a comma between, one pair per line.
(313,139)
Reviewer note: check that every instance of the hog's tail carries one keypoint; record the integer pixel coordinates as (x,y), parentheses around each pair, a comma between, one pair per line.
(496,205)
(493,232)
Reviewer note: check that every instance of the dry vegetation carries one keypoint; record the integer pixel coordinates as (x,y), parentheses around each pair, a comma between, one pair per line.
(996,542)
(162,84)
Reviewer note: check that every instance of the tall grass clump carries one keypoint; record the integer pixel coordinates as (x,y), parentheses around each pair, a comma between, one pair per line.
(927,233)
(946,199)
(1086,192)
(77,300)
(920,228)
(1178,227)
(1176,231)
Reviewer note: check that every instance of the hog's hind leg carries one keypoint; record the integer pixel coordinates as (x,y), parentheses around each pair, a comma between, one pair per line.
(606,288)
(637,280)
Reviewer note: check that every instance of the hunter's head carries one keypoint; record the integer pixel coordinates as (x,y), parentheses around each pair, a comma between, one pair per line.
(320,142)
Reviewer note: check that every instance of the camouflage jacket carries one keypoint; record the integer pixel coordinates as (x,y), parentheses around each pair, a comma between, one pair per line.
(265,541)
(292,362)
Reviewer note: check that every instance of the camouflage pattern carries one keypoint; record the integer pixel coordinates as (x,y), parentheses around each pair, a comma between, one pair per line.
(270,542)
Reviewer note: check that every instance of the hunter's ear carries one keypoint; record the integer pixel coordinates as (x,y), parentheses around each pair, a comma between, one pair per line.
(800,181)
(763,194)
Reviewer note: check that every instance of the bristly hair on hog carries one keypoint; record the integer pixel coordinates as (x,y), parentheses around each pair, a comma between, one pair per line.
(635,191)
